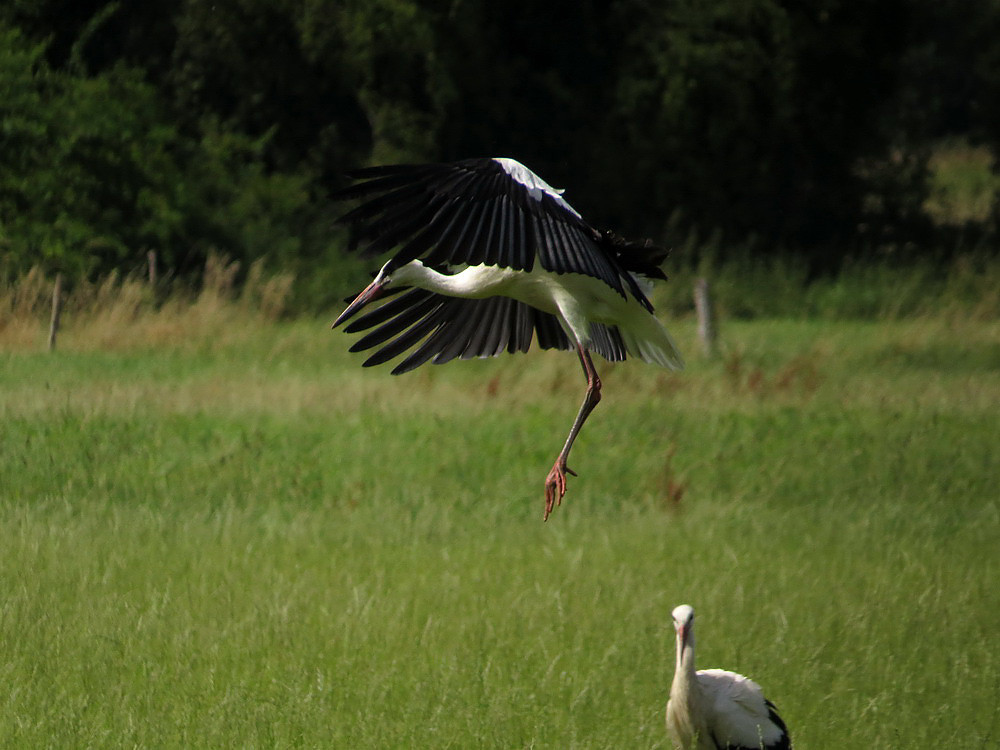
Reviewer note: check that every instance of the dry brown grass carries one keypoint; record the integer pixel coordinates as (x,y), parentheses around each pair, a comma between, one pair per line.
(24,304)
(118,312)
(963,186)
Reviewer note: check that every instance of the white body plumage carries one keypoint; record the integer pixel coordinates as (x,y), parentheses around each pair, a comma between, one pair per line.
(575,299)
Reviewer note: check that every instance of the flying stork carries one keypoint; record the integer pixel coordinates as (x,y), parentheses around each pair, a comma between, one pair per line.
(490,254)
(712,709)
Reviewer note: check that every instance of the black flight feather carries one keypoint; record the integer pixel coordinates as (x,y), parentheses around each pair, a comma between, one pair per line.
(474,212)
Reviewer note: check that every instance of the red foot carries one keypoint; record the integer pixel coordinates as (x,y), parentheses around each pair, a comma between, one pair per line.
(555,486)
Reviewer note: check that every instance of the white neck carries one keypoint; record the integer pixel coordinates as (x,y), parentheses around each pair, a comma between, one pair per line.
(685,694)
(684,673)
(475,282)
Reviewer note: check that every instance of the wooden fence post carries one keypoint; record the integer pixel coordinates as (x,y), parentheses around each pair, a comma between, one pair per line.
(707,331)
(56,311)
(151,265)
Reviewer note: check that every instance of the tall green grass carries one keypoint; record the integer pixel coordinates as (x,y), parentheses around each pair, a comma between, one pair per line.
(749,285)
(242,538)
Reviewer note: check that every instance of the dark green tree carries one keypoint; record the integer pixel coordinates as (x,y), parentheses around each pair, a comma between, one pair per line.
(193,124)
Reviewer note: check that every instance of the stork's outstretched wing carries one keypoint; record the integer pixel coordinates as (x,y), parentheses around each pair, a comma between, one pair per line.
(436,327)
(486,211)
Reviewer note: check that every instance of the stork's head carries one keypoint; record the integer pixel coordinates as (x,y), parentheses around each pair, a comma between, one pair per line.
(383,280)
(683,620)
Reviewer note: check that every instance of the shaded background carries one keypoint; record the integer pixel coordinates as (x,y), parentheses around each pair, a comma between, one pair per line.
(774,128)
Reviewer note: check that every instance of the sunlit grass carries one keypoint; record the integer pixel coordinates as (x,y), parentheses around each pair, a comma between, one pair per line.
(242,538)
(963,186)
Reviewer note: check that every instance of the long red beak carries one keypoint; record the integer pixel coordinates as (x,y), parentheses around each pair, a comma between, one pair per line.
(372,291)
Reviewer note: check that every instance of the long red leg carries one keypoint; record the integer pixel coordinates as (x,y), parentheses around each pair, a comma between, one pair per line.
(555,482)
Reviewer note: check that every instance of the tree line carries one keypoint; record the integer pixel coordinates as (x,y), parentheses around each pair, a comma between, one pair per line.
(190,127)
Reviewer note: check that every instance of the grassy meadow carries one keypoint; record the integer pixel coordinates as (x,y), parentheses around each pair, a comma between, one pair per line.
(218,530)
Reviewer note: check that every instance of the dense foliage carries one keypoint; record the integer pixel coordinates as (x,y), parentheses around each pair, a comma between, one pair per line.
(189,127)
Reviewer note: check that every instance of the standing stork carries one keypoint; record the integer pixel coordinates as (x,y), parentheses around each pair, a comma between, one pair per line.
(712,709)
(495,255)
